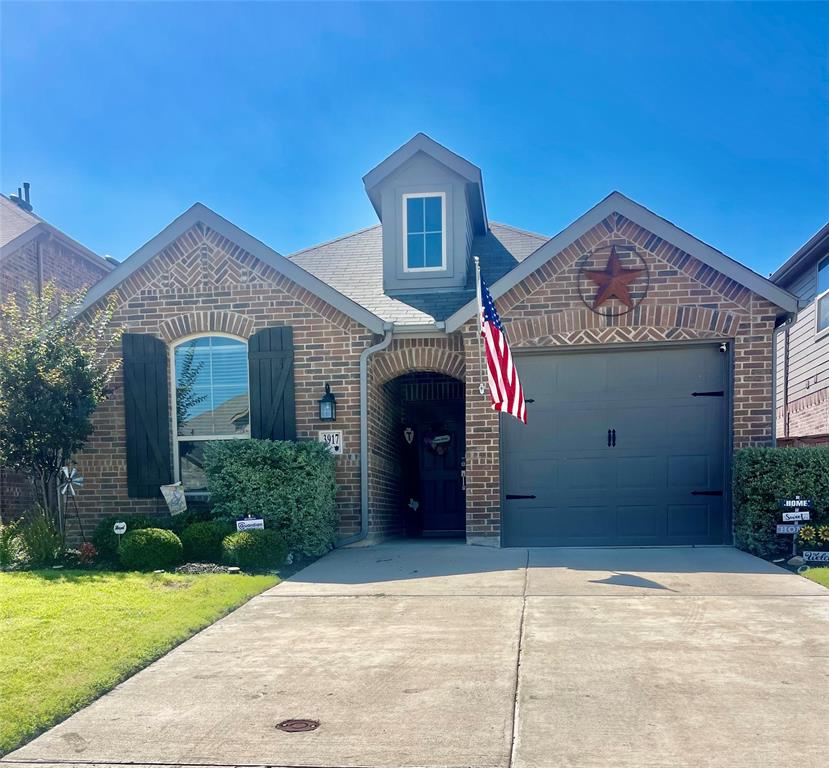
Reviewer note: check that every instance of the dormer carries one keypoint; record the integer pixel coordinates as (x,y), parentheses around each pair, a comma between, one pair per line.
(431,204)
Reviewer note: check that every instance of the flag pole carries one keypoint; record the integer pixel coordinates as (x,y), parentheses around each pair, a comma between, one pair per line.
(481,387)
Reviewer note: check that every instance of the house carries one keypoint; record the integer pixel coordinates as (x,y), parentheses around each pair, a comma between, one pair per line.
(32,253)
(636,396)
(802,346)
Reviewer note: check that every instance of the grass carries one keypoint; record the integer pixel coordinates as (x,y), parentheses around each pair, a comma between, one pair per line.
(66,637)
(820,575)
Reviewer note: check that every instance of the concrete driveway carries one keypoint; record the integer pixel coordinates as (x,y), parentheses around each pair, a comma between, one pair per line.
(437,654)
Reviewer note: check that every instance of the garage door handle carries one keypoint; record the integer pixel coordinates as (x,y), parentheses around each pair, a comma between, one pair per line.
(706,493)
(520,496)
(611,438)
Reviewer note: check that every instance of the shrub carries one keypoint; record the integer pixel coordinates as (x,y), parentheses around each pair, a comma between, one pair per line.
(255,550)
(106,540)
(40,540)
(195,514)
(148,549)
(290,485)
(202,541)
(10,551)
(762,476)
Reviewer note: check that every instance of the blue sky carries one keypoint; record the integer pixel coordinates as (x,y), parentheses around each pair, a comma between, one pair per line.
(712,115)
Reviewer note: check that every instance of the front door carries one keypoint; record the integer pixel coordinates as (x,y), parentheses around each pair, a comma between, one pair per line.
(441,452)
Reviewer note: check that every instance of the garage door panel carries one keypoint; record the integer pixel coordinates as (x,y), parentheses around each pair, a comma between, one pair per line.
(531,476)
(639,522)
(689,472)
(639,472)
(689,520)
(668,444)
(586,375)
(580,475)
(584,525)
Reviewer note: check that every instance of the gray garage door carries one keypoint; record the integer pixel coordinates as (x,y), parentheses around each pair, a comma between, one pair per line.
(621,448)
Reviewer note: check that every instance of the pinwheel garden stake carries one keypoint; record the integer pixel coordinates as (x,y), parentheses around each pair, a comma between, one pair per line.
(70,483)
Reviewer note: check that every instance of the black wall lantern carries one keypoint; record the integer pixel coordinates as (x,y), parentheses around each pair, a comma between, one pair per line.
(328,406)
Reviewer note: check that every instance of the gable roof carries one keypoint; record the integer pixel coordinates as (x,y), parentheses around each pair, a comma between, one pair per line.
(353,264)
(19,227)
(428,146)
(618,203)
(201,214)
(805,256)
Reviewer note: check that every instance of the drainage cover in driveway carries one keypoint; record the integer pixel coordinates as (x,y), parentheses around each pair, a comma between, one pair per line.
(298,725)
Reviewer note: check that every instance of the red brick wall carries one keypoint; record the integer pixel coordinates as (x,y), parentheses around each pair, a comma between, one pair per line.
(203,282)
(808,415)
(686,300)
(70,271)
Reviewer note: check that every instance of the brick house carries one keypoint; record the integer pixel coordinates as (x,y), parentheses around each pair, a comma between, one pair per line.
(32,253)
(635,402)
(802,346)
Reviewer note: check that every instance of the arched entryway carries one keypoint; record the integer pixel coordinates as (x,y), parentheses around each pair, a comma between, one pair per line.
(419,457)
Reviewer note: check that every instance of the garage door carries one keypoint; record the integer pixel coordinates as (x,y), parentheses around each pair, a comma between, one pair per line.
(620,448)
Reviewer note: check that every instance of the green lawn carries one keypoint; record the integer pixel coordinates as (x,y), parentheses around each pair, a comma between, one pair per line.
(66,637)
(820,575)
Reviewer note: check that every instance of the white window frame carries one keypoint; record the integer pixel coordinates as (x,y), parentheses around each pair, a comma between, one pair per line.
(174,415)
(406,197)
(820,332)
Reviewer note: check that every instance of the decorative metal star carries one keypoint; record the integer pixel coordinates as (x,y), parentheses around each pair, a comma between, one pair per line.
(613,281)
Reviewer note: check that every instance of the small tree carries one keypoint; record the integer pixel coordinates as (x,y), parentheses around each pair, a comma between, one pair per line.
(54,371)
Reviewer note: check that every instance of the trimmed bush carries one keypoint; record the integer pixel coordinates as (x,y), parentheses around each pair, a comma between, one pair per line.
(255,550)
(202,541)
(105,539)
(762,476)
(148,549)
(290,485)
(194,514)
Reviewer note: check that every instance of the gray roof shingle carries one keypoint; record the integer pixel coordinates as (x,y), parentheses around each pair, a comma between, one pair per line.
(353,265)
(14,221)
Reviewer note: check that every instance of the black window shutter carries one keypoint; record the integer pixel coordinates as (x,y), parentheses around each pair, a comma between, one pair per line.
(271,367)
(147,415)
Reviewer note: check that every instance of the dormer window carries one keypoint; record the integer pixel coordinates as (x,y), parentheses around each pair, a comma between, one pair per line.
(424,227)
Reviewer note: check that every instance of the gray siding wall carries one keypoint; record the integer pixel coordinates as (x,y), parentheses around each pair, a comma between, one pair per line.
(808,357)
(805,285)
(424,174)
(808,354)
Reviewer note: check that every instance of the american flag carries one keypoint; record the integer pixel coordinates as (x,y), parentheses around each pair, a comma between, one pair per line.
(504,388)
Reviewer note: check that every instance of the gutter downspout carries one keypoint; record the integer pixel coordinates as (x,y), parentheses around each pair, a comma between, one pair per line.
(782,329)
(364,356)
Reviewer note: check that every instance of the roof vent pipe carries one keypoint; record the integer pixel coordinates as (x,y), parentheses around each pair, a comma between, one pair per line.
(21,199)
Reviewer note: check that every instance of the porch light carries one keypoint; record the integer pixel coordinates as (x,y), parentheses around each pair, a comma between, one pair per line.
(328,406)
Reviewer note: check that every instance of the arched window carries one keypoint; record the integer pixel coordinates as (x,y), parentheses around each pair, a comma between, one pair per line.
(210,396)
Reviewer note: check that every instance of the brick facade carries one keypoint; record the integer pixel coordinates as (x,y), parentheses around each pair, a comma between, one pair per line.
(20,273)
(203,282)
(687,300)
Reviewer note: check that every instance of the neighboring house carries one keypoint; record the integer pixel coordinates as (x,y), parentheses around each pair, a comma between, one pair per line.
(635,397)
(802,346)
(32,253)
